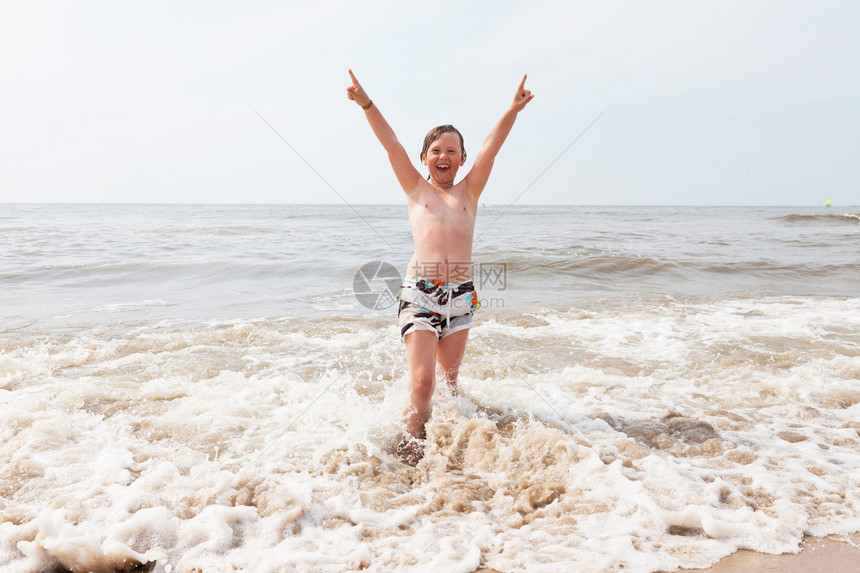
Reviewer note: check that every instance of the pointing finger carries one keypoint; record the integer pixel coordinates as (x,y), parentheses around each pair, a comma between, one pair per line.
(523,83)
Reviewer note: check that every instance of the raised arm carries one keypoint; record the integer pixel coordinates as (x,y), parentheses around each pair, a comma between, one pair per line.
(407,175)
(480,172)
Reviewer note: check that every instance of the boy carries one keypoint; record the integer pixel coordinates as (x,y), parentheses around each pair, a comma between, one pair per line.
(437,298)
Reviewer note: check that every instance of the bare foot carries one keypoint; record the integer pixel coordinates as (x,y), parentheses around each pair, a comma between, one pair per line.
(410,450)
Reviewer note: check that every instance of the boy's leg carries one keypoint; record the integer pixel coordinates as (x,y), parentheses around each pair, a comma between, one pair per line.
(449,355)
(421,354)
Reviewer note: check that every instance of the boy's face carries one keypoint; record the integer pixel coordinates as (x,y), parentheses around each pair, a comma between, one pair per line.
(444,158)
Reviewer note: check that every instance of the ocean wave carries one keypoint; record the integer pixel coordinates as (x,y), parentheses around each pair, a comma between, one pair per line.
(622,434)
(687,268)
(821,219)
(143,274)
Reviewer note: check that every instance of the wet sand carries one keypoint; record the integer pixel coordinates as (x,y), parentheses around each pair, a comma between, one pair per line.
(817,555)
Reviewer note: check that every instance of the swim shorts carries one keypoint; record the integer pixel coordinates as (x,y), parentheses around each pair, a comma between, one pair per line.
(443,307)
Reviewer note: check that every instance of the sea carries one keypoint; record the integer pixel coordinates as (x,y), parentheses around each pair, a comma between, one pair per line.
(207,388)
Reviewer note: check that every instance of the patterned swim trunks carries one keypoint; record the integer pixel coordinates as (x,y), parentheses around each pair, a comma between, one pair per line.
(442,307)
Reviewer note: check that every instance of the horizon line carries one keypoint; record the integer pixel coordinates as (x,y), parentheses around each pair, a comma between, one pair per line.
(263,204)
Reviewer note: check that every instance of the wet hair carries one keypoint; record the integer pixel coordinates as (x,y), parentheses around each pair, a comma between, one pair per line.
(436,133)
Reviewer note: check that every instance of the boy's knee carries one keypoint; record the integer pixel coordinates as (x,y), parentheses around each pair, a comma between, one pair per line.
(422,382)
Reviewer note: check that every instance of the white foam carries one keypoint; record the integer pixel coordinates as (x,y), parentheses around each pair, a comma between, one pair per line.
(267,445)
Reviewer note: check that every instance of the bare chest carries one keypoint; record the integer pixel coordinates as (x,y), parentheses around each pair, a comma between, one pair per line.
(439,208)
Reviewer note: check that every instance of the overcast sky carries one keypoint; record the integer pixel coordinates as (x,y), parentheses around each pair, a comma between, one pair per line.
(724,102)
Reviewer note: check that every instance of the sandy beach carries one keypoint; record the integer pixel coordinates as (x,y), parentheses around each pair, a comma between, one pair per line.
(817,555)
(836,554)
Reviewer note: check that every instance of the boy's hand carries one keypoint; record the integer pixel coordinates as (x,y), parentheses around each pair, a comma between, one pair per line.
(521,98)
(356,93)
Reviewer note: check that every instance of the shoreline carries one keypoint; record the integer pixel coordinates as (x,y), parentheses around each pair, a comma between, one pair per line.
(832,554)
